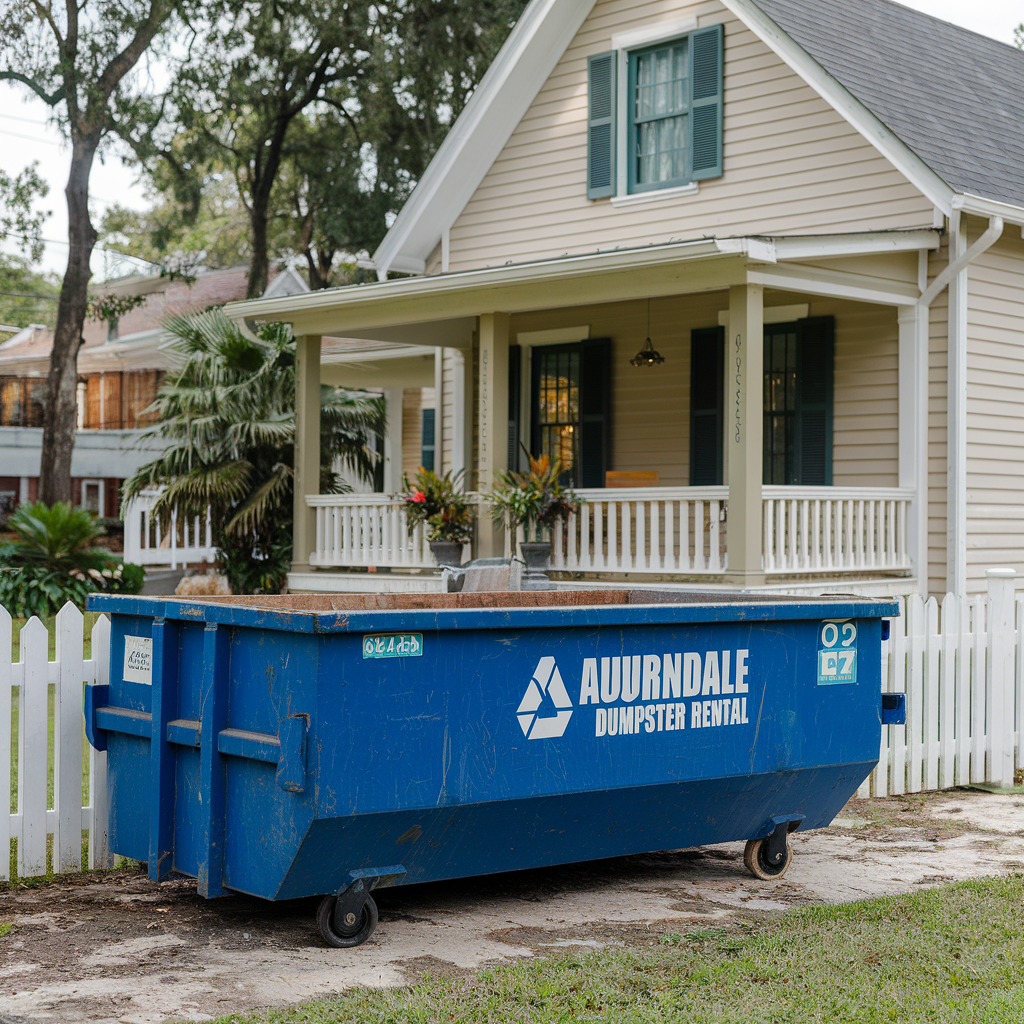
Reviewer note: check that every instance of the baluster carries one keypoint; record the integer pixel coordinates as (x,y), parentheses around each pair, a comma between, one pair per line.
(901,535)
(655,561)
(670,561)
(612,553)
(713,553)
(699,564)
(558,559)
(684,535)
(639,560)
(336,523)
(586,559)
(600,557)
(872,535)
(780,534)
(570,541)
(767,553)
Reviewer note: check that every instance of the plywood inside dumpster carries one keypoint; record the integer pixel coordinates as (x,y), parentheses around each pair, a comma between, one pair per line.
(504,599)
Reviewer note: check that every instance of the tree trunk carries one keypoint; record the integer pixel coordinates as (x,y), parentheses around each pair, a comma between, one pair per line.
(259,264)
(61,414)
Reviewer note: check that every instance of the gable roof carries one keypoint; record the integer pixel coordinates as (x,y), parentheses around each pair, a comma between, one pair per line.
(943,104)
(954,97)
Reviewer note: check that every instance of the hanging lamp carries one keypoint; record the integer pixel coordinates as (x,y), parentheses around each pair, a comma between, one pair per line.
(648,355)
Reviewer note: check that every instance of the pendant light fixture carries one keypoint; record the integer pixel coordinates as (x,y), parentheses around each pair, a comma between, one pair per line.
(648,355)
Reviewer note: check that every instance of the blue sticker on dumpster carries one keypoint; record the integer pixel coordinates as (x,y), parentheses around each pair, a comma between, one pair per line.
(837,654)
(393,645)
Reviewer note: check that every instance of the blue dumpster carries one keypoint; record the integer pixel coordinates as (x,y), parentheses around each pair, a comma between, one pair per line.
(297,746)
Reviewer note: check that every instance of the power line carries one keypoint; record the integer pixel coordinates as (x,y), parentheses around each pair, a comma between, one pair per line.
(26,120)
(30,138)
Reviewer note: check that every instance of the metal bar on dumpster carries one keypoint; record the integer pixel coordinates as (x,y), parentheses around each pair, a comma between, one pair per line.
(213,782)
(184,732)
(256,746)
(165,698)
(132,723)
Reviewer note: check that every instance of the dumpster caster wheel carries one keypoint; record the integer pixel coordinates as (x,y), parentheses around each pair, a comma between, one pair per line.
(344,934)
(758,861)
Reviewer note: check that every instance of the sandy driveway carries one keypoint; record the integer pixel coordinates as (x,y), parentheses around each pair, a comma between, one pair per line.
(120,948)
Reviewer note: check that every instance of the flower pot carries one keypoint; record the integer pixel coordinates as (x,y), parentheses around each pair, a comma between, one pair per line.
(447,552)
(536,556)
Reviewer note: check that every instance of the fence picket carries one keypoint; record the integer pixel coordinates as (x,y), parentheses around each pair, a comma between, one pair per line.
(949,626)
(6,695)
(32,739)
(930,710)
(99,819)
(67,747)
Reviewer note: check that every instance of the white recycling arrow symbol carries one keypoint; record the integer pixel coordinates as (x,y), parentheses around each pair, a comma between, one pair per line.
(546,679)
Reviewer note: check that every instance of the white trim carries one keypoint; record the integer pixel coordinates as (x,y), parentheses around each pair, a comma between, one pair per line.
(653,33)
(860,243)
(371,355)
(499,103)
(555,336)
(834,283)
(773,314)
(844,103)
(655,195)
(981,207)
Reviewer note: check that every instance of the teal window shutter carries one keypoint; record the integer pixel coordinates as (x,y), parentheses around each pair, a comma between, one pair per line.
(601,125)
(427,445)
(814,382)
(706,55)
(707,357)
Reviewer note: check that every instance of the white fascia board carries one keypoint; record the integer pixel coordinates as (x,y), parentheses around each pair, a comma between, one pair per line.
(981,207)
(835,284)
(904,159)
(652,33)
(376,355)
(285,307)
(510,85)
(867,243)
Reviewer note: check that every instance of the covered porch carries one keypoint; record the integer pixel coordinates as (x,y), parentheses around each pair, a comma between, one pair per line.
(780,444)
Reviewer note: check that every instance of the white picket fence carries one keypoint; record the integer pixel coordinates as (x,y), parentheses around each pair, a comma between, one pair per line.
(959,662)
(29,686)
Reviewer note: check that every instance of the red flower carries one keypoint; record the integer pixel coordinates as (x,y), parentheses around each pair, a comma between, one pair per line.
(419,497)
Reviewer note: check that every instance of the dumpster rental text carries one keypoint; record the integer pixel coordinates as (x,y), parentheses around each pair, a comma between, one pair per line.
(645,684)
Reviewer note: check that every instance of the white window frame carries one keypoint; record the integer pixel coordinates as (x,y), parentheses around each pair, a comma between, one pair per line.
(100,495)
(623,43)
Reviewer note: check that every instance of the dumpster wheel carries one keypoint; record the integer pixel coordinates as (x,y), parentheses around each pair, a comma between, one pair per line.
(755,857)
(343,935)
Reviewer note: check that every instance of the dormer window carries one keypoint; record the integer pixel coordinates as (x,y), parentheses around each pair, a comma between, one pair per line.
(655,114)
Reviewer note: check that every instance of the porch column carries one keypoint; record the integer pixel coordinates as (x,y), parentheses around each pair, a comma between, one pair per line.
(393,441)
(492,422)
(913,431)
(307,448)
(956,413)
(744,373)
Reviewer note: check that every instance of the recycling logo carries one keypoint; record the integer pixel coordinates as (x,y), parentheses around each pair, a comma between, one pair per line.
(546,680)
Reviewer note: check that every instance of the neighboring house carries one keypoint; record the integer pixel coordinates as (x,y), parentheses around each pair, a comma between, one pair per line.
(120,366)
(812,208)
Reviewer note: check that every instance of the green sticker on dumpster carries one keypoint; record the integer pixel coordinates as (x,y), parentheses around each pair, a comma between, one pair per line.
(837,653)
(393,645)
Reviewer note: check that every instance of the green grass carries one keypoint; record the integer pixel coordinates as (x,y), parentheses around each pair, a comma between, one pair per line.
(5,928)
(949,954)
(50,623)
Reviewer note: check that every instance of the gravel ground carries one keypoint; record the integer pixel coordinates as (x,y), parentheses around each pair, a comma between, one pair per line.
(117,947)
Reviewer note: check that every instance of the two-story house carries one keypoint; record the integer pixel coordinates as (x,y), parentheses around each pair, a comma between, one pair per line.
(759,261)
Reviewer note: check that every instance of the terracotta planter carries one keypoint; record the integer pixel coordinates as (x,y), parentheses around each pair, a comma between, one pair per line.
(536,556)
(447,552)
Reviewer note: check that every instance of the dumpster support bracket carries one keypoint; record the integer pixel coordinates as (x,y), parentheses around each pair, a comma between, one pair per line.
(352,895)
(776,835)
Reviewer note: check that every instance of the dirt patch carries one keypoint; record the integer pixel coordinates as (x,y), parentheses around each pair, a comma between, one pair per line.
(119,948)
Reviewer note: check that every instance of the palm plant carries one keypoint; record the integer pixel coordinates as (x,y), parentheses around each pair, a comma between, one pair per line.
(228,414)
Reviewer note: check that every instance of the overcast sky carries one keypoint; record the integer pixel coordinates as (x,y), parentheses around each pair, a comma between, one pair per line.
(25,135)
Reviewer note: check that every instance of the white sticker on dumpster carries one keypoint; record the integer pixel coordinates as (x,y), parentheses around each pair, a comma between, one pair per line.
(837,653)
(138,659)
(393,645)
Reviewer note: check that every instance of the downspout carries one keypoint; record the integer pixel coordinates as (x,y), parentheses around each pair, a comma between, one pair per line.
(954,276)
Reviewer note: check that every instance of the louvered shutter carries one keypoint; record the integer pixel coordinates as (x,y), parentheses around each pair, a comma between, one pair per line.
(707,353)
(706,105)
(813,442)
(595,410)
(601,125)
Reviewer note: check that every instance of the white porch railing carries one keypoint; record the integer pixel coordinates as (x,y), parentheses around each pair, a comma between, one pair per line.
(645,530)
(835,529)
(366,529)
(148,540)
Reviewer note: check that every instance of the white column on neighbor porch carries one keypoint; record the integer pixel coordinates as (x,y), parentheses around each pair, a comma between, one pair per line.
(744,417)
(307,447)
(439,410)
(492,420)
(913,430)
(956,412)
(393,441)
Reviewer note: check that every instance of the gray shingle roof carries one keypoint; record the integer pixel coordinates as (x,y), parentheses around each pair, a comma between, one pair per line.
(954,97)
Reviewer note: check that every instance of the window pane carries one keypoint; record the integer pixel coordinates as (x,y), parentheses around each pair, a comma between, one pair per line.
(661,105)
(558,404)
(779,405)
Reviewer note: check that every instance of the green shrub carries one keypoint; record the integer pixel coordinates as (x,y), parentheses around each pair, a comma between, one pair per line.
(55,560)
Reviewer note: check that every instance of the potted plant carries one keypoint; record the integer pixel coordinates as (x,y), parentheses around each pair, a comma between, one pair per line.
(437,503)
(537,498)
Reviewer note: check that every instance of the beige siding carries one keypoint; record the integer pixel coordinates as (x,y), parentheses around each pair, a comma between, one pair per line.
(995,409)
(651,407)
(792,164)
(414,401)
